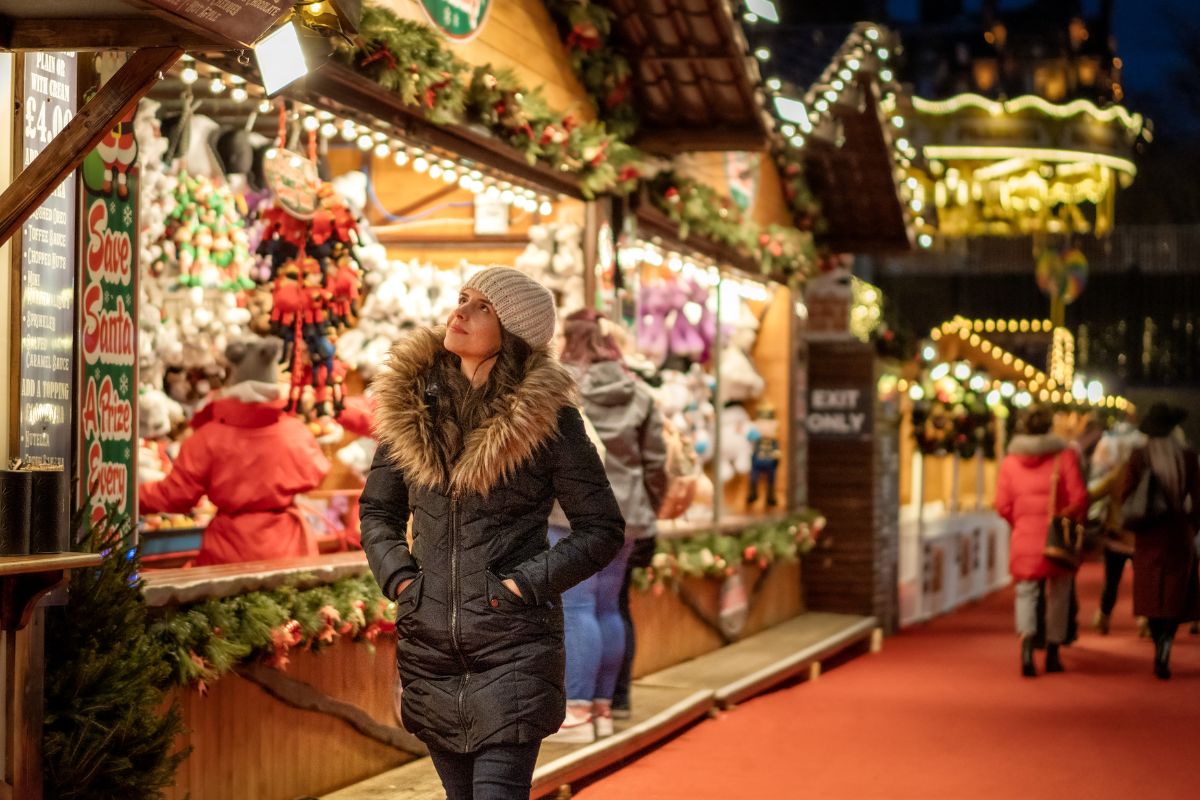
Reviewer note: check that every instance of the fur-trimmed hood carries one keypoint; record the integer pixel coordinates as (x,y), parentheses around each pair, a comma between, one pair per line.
(1036,447)
(514,429)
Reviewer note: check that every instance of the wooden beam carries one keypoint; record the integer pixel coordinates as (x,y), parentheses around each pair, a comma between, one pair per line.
(690,140)
(101,34)
(85,130)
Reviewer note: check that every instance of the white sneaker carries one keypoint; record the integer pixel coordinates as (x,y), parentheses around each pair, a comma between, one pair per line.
(602,716)
(577,728)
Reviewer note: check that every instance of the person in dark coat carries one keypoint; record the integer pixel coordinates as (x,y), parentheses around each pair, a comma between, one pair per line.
(1165,585)
(479,434)
(1025,485)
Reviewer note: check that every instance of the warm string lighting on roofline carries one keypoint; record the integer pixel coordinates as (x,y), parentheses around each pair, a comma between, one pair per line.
(1134,123)
(379,139)
(1034,382)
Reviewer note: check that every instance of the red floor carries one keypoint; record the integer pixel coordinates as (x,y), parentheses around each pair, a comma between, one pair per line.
(942,712)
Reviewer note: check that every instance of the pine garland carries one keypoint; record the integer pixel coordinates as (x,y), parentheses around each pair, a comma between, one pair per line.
(782,252)
(716,556)
(606,74)
(204,641)
(411,60)
(108,731)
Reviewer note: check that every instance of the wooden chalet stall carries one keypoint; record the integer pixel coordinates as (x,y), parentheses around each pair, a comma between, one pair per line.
(436,195)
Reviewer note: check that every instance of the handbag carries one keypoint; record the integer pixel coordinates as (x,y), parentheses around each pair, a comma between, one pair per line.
(1064,536)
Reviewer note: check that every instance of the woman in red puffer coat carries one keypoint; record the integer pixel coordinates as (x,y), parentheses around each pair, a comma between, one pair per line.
(1023,494)
(251,458)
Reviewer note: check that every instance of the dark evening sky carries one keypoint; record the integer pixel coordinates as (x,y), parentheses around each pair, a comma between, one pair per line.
(1141,26)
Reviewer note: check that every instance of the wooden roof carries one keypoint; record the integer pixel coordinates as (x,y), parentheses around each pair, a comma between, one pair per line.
(696,86)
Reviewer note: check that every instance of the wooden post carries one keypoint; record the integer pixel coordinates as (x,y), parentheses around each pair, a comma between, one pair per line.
(85,130)
(591,251)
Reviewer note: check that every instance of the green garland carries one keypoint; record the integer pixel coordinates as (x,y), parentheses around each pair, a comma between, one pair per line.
(716,556)
(782,252)
(411,60)
(206,640)
(606,74)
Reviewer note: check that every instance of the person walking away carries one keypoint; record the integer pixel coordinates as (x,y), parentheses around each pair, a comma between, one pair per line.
(1165,583)
(1039,467)
(1109,464)
(479,434)
(629,424)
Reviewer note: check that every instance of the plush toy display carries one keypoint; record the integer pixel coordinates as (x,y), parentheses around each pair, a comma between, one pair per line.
(205,240)
(554,257)
(737,448)
(157,415)
(764,463)
(675,322)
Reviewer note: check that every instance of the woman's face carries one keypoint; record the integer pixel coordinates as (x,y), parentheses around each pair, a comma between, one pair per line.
(473,330)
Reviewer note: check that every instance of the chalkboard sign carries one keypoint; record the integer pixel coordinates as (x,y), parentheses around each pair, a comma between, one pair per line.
(47,272)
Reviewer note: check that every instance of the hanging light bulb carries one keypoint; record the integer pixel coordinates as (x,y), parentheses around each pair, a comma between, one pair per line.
(189,75)
(349,131)
(380,136)
(492,192)
(465,182)
(382,150)
(264,107)
(217,85)
(762,53)
(239,94)
(311,123)
(546,209)
(449,176)
(420,164)
(435,171)
(507,196)
(401,157)
(328,130)
(365,142)
(774,84)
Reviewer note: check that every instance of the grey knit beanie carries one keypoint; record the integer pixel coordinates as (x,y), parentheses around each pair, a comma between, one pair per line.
(524,306)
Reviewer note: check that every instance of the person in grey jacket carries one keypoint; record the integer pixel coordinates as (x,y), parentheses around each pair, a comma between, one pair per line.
(622,411)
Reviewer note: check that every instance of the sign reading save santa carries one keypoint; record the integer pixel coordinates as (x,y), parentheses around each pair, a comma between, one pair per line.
(108,420)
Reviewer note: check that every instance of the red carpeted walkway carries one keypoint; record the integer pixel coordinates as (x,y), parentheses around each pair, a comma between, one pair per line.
(942,712)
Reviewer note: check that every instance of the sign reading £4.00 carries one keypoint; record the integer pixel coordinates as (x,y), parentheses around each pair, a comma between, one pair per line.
(460,20)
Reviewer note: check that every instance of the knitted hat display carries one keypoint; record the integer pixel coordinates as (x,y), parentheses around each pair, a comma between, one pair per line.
(524,306)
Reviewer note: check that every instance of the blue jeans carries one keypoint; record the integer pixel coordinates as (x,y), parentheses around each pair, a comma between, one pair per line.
(500,772)
(594,630)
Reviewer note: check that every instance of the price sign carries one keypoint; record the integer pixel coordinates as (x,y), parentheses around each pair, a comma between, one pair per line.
(47,273)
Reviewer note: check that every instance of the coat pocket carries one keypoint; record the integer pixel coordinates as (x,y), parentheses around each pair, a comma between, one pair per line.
(408,599)
(500,596)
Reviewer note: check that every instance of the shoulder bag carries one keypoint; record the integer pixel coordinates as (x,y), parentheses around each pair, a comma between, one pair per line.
(1064,537)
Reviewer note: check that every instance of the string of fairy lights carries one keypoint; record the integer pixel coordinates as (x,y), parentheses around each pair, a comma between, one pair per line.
(378,139)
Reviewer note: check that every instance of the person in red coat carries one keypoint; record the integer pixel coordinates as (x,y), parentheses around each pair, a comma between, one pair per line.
(1166,588)
(1023,495)
(251,458)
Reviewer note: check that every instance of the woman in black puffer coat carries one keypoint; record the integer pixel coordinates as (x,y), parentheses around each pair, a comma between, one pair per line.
(479,434)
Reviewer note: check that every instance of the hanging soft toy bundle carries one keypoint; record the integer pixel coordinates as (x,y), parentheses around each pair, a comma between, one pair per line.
(205,243)
(675,322)
(308,237)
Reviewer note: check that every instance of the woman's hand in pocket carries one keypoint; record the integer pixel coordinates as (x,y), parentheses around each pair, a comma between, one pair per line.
(404,585)
(511,585)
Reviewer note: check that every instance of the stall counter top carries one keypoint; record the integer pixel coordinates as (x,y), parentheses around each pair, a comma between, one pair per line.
(46,562)
(195,584)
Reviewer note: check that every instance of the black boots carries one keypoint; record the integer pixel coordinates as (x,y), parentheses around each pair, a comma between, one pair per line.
(1162,658)
(1027,667)
(1053,664)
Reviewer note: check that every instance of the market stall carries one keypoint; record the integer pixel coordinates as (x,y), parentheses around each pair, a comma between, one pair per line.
(958,409)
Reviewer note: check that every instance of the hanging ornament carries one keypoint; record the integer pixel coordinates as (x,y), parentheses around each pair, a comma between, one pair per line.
(1062,274)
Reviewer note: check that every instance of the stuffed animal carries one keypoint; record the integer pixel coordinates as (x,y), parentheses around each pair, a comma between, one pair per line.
(157,415)
(764,463)
(736,446)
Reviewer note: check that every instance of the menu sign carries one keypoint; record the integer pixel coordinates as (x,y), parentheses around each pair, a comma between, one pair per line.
(241,21)
(108,419)
(47,272)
